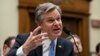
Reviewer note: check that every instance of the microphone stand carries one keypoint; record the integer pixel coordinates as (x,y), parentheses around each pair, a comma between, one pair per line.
(75,44)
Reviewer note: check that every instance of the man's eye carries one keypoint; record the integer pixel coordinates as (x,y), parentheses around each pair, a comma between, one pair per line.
(50,20)
(58,19)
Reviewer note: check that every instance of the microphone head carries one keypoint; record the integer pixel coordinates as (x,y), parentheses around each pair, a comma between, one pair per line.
(67,31)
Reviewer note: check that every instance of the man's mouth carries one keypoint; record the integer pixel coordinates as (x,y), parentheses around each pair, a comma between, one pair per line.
(56,29)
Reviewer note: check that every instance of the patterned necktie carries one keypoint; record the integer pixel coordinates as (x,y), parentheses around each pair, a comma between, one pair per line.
(52,49)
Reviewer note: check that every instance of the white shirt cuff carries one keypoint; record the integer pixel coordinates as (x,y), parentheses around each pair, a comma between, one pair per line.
(20,52)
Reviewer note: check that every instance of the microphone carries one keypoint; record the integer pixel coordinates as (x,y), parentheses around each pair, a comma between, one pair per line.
(67,31)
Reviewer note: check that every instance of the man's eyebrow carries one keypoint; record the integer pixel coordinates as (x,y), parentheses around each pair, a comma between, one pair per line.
(50,17)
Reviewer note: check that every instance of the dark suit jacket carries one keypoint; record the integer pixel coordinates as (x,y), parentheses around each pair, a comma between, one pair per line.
(63,47)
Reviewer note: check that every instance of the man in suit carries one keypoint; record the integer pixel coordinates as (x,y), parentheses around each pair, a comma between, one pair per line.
(48,19)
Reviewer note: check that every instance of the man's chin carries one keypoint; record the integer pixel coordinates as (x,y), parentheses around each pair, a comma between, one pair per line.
(57,35)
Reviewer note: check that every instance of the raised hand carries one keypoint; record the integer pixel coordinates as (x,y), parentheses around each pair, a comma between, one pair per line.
(34,40)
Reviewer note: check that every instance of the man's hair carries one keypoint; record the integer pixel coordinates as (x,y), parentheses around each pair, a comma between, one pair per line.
(8,40)
(98,47)
(44,8)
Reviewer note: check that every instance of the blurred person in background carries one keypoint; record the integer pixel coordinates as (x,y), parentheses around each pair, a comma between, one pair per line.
(8,44)
(98,49)
(76,44)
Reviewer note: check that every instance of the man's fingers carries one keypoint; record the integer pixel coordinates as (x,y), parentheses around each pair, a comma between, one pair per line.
(39,41)
(40,35)
(36,30)
(30,34)
(35,37)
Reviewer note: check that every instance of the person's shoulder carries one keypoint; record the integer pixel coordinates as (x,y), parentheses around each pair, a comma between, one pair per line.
(63,39)
(65,42)
(22,36)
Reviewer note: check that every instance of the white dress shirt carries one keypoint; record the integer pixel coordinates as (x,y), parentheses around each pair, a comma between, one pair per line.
(45,47)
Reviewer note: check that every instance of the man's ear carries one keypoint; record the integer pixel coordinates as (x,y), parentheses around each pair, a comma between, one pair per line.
(5,47)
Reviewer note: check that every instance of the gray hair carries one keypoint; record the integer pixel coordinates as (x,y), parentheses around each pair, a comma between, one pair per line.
(44,8)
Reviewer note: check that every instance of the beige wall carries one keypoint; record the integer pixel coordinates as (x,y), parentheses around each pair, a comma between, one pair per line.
(9,21)
(94,32)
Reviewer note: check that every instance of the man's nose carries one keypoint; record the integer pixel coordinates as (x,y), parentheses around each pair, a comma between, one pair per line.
(56,22)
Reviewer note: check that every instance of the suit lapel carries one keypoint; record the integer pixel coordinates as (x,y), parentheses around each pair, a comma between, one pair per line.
(39,51)
(59,48)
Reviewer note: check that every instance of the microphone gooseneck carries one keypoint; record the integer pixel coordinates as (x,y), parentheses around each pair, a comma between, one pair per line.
(67,31)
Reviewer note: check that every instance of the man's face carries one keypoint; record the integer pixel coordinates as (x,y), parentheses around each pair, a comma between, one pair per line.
(78,43)
(7,48)
(52,24)
(12,43)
